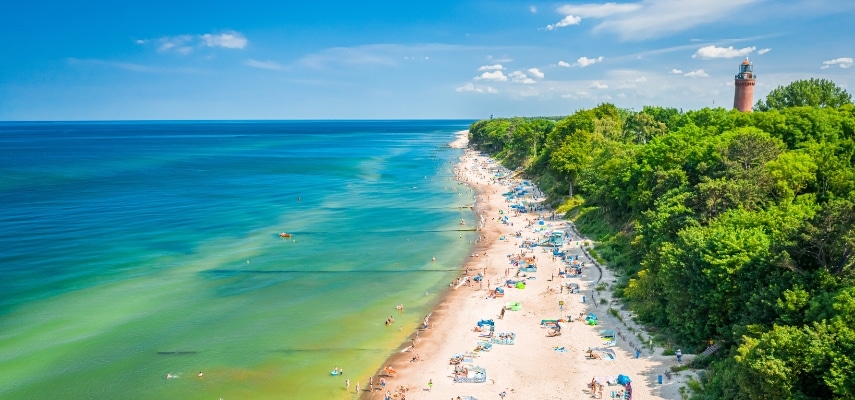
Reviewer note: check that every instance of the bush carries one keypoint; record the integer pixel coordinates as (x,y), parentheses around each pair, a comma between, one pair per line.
(615,314)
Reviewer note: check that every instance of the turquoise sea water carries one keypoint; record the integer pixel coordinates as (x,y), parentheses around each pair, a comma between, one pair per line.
(131,250)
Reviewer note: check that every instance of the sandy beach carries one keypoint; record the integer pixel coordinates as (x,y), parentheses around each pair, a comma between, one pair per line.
(538,365)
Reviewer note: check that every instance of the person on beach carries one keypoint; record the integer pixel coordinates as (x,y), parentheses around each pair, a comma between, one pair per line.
(347,384)
(201,374)
(430,384)
(357,387)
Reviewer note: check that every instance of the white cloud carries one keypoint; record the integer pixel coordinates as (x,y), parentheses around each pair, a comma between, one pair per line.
(536,73)
(269,65)
(585,61)
(496,67)
(88,62)
(708,52)
(676,71)
(567,21)
(599,85)
(178,44)
(655,18)
(520,77)
(185,44)
(373,54)
(563,64)
(492,76)
(842,62)
(228,40)
(763,51)
(632,83)
(698,73)
(470,87)
(575,13)
(502,59)
(532,9)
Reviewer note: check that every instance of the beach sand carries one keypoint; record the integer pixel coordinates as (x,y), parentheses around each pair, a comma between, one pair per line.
(531,368)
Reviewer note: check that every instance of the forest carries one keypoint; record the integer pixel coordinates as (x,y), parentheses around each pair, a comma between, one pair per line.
(723,227)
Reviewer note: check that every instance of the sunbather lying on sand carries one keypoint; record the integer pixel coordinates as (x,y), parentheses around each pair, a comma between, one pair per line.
(593,356)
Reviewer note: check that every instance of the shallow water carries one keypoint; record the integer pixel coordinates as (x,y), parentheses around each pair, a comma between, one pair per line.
(133,250)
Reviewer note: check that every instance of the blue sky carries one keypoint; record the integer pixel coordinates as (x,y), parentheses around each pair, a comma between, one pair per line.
(104,60)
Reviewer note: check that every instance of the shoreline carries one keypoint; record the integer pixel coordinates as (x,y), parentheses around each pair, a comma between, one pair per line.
(532,367)
(423,338)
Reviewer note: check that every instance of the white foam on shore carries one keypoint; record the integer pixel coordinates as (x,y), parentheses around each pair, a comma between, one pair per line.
(461,141)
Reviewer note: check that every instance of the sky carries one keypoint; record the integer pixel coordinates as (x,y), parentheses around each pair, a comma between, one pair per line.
(467,59)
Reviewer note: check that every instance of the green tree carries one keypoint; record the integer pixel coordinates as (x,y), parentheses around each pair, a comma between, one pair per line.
(641,127)
(811,92)
(829,239)
(792,172)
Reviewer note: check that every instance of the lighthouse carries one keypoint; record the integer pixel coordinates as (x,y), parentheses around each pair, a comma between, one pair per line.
(743,87)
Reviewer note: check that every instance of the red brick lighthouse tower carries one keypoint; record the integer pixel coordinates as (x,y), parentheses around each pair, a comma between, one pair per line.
(743,95)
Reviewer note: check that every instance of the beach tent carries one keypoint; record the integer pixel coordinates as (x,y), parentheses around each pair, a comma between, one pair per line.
(608,336)
(557,238)
(591,319)
(623,379)
(513,306)
(520,285)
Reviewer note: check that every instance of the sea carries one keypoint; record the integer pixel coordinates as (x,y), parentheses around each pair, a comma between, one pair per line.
(138,255)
